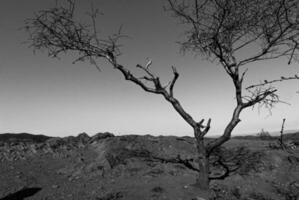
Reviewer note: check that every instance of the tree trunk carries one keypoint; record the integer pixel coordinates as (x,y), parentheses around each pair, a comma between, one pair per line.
(202,180)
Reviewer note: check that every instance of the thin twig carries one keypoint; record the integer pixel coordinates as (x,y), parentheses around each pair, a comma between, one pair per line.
(266,82)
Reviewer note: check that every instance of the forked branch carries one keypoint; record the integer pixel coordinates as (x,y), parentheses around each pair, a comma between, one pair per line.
(56,31)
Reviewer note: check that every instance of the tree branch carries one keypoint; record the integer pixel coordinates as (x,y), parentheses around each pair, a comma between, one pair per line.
(227,131)
(173,81)
(266,82)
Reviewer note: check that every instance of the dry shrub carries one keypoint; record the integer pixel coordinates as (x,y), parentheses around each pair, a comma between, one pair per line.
(264,135)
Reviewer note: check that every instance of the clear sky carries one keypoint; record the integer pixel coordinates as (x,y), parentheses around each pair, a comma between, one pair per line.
(42,95)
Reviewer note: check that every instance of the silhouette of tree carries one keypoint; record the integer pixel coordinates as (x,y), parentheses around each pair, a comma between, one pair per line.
(217,29)
(222,30)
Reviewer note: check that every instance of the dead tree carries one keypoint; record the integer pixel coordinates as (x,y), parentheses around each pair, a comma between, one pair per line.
(218,29)
(281,142)
(221,30)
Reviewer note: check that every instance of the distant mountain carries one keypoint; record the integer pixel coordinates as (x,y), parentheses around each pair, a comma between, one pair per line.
(276,133)
(289,134)
(292,136)
(22,137)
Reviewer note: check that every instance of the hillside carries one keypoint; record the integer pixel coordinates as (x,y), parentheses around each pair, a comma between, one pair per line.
(22,137)
(131,167)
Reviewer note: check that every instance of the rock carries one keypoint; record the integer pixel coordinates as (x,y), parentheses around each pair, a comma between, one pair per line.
(54,143)
(70,140)
(293,159)
(198,198)
(100,136)
(55,186)
(293,188)
(83,138)
(101,160)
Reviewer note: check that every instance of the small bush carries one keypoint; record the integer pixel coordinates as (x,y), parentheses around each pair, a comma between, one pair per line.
(290,190)
(158,189)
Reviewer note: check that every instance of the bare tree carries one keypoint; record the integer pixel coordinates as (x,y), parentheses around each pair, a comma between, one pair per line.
(218,29)
(221,30)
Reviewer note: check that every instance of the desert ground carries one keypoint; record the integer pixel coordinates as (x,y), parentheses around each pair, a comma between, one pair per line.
(132,167)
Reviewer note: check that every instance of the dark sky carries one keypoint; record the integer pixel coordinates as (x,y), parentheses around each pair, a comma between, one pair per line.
(42,95)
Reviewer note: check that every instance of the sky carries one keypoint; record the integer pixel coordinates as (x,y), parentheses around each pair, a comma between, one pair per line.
(42,95)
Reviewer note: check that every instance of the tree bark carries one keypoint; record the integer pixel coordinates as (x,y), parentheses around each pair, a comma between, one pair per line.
(202,179)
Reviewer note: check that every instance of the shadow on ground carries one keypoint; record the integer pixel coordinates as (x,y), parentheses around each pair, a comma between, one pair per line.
(22,194)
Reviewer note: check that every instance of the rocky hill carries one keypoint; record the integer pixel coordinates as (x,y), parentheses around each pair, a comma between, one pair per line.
(22,137)
(105,166)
